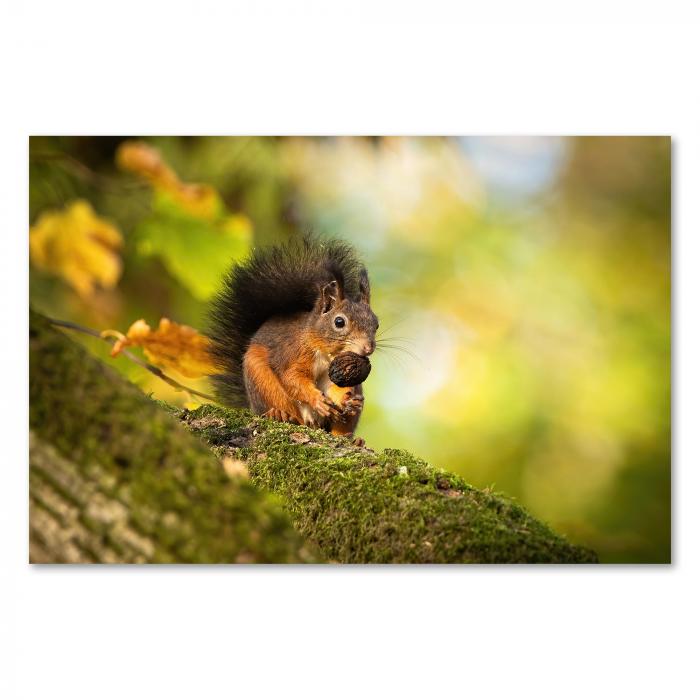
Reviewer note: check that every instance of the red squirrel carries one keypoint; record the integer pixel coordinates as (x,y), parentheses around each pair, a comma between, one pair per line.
(278,321)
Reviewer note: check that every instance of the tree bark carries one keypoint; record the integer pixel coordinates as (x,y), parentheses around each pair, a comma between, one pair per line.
(113,478)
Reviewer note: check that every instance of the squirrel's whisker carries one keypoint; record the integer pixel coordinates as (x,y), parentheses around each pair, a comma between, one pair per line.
(383,329)
(393,359)
(398,345)
(396,338)
(398,349)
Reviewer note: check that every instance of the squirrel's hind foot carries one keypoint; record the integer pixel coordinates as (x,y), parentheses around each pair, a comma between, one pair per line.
(280,415)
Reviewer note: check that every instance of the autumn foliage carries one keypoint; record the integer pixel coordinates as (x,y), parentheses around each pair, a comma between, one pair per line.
(78,246)
(83,249)
(170,346)
(200,200)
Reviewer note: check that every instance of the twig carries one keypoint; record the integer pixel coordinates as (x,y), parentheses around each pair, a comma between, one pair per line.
(146,365)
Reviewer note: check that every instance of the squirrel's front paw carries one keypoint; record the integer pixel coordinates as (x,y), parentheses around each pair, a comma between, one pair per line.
(353,404)
(324,407)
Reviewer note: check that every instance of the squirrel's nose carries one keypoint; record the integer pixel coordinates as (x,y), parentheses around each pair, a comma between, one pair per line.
(368,347)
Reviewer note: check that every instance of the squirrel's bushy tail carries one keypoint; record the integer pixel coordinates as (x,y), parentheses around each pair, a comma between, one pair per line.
(275,281)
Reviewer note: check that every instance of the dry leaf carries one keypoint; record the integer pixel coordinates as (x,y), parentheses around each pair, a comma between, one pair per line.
(78,246)
(171,346)
(138,157)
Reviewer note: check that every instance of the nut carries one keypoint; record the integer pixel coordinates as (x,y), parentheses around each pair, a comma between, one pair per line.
(349,369)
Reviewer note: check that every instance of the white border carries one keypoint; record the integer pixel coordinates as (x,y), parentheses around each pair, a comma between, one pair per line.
(309,67)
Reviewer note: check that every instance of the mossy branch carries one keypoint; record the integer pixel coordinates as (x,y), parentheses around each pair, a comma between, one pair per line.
(114,478)
(360,506)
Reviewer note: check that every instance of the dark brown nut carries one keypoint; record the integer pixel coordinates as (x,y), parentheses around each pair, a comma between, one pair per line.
(349,369)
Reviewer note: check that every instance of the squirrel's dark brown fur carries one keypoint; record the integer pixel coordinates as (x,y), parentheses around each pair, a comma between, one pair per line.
(279,319)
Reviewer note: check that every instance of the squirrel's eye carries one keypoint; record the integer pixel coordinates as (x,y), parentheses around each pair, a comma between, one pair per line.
(339,321)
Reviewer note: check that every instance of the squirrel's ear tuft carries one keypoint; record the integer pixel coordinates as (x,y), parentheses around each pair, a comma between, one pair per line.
(331,294)
(364,285)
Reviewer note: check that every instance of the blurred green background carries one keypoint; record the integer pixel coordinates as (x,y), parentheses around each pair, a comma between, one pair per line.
(525,281)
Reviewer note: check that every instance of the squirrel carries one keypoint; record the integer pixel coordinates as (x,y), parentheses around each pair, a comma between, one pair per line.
(279,319)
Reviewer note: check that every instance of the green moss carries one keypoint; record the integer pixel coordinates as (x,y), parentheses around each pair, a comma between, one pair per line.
(362,506)
(120,438)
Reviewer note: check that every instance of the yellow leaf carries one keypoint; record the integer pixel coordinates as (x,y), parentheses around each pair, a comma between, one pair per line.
(78,246)
(201,201)
(170,346)
(146,161)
